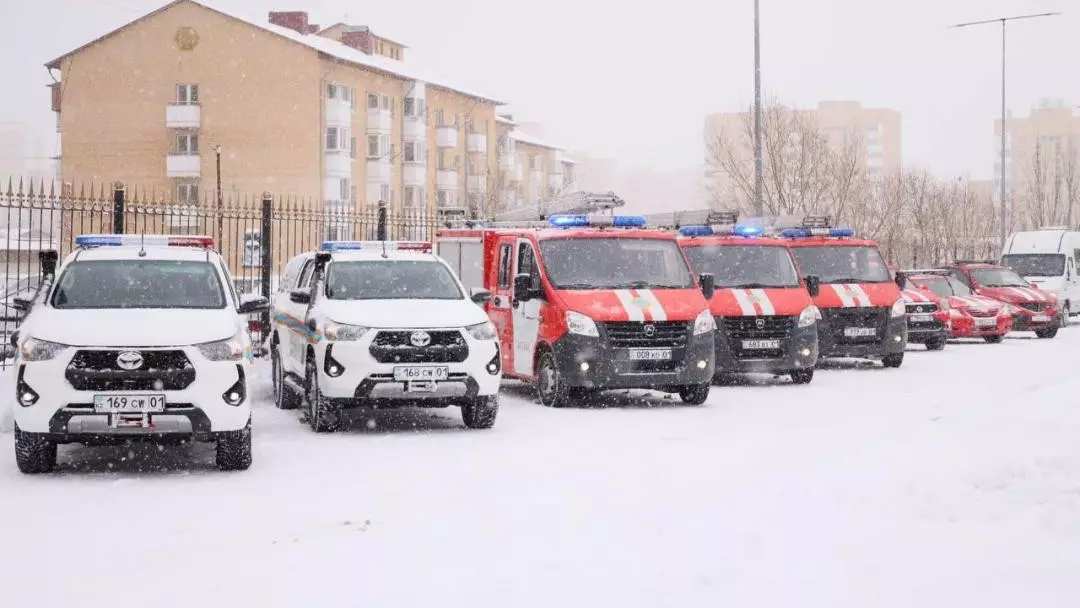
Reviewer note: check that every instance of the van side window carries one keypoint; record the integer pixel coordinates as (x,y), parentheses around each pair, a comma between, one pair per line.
(506,256)
(527,264)
(1076,255)
(292,270)
(305,274)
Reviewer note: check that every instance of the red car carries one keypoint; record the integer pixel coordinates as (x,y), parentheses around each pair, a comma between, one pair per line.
(969,315)
(1032,309)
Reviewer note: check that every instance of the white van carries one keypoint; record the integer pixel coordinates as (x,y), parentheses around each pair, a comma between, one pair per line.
(1048,258)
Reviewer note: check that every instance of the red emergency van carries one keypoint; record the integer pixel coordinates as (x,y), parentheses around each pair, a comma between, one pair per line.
(765,319)
(591,303)
(862,313)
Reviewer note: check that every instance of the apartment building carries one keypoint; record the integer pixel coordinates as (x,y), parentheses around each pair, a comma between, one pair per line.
(531,169)
(336,116)
(1041,150)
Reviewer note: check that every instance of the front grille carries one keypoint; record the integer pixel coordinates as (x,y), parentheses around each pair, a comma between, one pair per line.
(737,329)
(636,334)
(982,312)
(836,320)
(1035,306)
(925,307)
(98,370)
(447,346)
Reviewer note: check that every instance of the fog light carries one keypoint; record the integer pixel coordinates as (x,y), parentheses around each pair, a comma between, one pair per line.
(702,364)
(238,391)
(495,364)
(584,366)
(27,396)
(492,368)
(332,366)
(334,370)
(896,338)
(805,352)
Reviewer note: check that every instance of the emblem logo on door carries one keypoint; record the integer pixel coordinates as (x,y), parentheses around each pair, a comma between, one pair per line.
(650,331)
(760,323)
(420,338)
(129,360)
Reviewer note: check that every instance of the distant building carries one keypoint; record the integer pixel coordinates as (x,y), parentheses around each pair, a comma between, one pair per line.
(1043,147)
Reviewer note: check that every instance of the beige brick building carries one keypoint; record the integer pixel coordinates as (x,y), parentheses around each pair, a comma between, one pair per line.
(1042,162)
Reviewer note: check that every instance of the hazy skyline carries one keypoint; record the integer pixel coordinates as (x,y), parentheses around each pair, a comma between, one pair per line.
(634,84)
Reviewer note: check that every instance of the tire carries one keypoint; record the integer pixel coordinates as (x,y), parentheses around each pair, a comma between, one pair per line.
(550,388)
(893,360)
(34,454)
(695,394)
(1065,317)
(480,413)
(323,415)
(936,344)
(284,399)
(234,450)
(802,376)
(1046,334)
(994,339)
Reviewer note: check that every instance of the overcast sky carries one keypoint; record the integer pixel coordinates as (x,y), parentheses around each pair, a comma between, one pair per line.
(633,81)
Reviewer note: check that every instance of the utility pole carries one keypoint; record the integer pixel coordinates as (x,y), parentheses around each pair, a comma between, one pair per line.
(1004,138)
(220,217)
(758,161)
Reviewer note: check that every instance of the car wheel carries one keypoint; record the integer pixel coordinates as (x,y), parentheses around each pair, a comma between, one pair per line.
(802,376)
(550,387)
(893,360)
(994,339)
(1046,333)
(323,416)
(480,412)
(284,398)
(234,450)
(938,344)
(34,454)
(695,394)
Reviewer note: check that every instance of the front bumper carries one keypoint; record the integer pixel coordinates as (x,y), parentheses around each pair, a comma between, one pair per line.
(924,332)
(198,410)
(1026,321)
(966,327)
(594,363)
(890,338)
(798,350)
(363,380)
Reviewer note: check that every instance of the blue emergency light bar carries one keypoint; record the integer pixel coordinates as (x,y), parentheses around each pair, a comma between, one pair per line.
(802,233)
(376,246)
(137,240)
(586,221)
(744,230)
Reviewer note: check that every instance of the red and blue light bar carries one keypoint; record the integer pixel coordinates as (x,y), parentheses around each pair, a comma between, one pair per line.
(590,221)
(804,233)
(138,240)
(743,230)
(376,246)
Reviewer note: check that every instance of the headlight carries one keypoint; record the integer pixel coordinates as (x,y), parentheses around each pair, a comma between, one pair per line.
(40,350)
(340,332)
(482,331)
(224,350)
(704,323)
(899,308)
(581,324)
(808,316)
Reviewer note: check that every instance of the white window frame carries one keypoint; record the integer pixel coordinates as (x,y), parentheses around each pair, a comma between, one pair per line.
(331,91)
(373,101)
(370,140)
(414,152)
(187,94)
(385,193)
(346,188)
(187,192)
(187,143)
(333,136)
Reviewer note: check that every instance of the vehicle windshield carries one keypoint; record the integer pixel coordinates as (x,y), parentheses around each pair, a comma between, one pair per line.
(1035,264)
(843,263)
(748,266)
(391,280)
(998,277)
(139,284)
(945,286)
(615,263)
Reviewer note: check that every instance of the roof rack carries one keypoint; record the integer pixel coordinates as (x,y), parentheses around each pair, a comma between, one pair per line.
(573,203)
(994,262)
(817,221)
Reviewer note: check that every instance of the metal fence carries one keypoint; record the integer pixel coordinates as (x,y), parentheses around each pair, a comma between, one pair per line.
(255,234)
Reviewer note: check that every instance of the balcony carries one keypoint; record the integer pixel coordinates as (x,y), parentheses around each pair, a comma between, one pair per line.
(338,112)
(446,179)
(414,174)
(183,165)
(507,162)
(478,143)
(446,136)
(183,116)
(337,164)
(378,170)
(414,129)
(476,183)
(380,121)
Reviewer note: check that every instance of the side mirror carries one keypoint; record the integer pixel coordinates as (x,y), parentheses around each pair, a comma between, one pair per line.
(21,303)
(813,285)
(301,295)
(479,295)
(522,291)
(13,339)
(900,280)
(708,285)
(48,259)
(251,303)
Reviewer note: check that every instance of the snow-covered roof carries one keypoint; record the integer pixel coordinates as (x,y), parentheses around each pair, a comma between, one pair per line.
(504,120)
(332,48)
(531,140)
(568,161)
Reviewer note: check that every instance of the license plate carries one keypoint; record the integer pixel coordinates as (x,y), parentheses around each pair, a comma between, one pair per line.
(921,318)
(118,404)
(860,332)
(760,344)
(650,354)
(406,374)
(986,322)
(1040,318)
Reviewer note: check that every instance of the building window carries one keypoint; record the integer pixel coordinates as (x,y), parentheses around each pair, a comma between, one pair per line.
(331,91)
(384,192)
(373,101)
(187,192)
(532,162)
(410,106)
(414,197)
(332,137)
(346,190)
(414,152)
(187,94)
(373,146)
(352,147)
(187,143)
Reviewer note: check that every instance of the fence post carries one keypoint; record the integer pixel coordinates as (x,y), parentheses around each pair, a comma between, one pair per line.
(118,208)
(267,258)
(380,225)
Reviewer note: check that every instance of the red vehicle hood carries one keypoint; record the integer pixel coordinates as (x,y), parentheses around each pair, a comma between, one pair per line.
(857,295)
(780,301)
(974,302)
(918,296)
(636,304)
(1016,295)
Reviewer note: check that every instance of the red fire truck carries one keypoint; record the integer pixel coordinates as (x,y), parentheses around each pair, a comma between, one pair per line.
(587,303)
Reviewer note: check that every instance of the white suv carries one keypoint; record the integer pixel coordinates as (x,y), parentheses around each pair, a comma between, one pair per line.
(381,324)
(137,338)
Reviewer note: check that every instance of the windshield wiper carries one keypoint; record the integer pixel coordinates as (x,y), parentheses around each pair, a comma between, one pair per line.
(758,286)
(579,286)
(848,281)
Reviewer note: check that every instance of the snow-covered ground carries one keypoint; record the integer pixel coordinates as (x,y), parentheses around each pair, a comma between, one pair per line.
(953,481)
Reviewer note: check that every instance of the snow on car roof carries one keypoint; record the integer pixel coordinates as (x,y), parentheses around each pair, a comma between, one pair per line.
(131,252)
(391,255)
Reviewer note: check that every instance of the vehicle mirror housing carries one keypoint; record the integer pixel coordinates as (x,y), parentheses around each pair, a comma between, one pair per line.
(479,295)
(21,303)
(301,295)
(900,280)
(522,291)
(251,303)
(813,285)
(708,285)
(48,259)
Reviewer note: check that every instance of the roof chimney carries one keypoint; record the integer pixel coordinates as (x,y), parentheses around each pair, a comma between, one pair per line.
(358,37)
(313,28)
(294,20)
